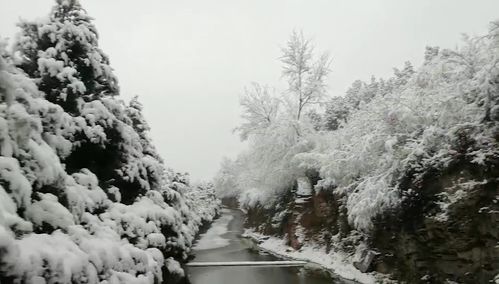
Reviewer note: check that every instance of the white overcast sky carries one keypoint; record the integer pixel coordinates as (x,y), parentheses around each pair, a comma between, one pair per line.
(190,60)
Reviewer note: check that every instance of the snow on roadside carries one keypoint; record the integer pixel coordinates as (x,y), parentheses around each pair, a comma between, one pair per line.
(213,237)
(336,262)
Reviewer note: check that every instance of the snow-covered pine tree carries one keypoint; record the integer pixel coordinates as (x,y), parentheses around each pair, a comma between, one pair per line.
(62,53)
(139,123)
(403,76)
(336,113)
(84,197)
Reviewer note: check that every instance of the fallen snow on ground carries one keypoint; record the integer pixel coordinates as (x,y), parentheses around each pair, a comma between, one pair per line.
(213,237)
(336,262)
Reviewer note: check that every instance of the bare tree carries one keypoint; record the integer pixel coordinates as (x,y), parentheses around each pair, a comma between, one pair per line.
(260,107)
(306,75)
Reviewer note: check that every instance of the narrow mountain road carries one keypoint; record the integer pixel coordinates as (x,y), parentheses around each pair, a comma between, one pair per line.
(223,242)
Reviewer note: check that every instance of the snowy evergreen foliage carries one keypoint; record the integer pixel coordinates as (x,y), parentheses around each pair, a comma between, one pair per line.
(445,110)
(63,54)
(84,196)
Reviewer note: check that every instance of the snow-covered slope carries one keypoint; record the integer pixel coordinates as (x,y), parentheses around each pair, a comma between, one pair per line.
(387,162)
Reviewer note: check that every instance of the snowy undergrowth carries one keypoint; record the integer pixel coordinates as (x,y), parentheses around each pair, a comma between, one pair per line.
(201,200)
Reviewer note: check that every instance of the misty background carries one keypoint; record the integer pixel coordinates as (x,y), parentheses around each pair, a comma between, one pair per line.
(189,61)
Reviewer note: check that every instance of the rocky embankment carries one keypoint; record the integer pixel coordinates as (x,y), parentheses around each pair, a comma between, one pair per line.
(446,228)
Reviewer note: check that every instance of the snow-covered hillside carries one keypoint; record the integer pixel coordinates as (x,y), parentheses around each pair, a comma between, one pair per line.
(386,160)
(84,196)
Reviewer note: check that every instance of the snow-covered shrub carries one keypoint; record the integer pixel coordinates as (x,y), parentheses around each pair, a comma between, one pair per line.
(201,200)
